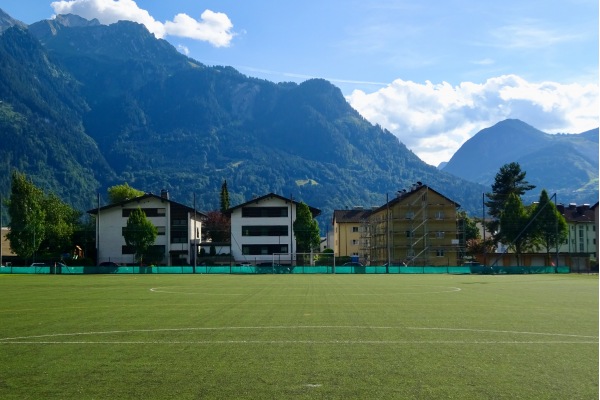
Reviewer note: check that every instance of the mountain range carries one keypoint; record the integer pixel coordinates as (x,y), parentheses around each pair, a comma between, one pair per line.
(85,106)
(565,164)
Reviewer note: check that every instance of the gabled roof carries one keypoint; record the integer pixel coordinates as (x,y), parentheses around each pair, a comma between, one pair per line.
(577,213)
(349,216)
(314,211)
(403,195)
(145,196)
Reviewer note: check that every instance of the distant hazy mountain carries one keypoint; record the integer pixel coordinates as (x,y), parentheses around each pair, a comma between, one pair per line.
(566,164)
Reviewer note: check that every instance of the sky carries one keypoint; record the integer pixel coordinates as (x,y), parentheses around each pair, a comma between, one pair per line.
(434,73)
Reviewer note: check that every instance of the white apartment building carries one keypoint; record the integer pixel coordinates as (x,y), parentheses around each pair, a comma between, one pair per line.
(262,230)
(179,229)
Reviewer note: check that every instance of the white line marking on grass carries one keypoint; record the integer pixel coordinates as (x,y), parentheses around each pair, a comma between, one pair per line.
(499,331)
(383,342)
(19,339)
(449,289)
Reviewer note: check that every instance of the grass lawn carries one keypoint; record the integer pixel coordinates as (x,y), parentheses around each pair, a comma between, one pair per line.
(298,336)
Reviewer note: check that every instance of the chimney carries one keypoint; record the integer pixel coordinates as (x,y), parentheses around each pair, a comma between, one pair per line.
(164,193)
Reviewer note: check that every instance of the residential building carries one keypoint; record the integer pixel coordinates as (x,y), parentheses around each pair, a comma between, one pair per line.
(417,227)
(179,229)
(582,241)
(350,233)
(6,252)
(262,229)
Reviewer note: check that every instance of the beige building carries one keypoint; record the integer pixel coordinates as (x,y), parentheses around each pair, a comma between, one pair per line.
(417,227)
(6,251)
(350,236)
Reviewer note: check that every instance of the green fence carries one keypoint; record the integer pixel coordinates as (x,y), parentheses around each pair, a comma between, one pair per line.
(277,269)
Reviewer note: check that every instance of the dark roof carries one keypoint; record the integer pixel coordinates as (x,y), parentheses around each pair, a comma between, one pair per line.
(314,211)
(347,216)
(405,194)
(143,197)
(577,213)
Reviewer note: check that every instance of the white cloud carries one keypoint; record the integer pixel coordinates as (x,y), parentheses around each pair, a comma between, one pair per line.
(183,49)
(212,27)
(434,120)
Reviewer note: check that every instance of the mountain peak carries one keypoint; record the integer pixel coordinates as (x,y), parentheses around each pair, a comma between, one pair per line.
(6,21)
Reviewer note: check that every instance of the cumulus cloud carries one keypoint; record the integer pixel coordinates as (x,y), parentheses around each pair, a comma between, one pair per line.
(434,120)
(212,27)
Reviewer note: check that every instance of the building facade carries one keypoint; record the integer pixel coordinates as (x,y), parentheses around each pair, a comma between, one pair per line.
(350,234)
(179,229)
(262,230)
(581,245)
(416,228)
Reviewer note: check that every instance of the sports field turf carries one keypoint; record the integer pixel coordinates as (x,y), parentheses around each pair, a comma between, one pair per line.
(298,336)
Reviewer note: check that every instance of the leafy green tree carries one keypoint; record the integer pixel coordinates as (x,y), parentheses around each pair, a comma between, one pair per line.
(549,226)
(224,197)
(509,180)
(26,212)
(119,193)
(515,229)
(306,229)
(61,221)
(139,233)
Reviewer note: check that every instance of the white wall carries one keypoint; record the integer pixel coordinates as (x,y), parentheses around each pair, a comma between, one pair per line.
(237,240)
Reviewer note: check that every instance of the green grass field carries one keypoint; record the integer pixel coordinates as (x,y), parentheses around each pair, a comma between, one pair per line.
(298,337)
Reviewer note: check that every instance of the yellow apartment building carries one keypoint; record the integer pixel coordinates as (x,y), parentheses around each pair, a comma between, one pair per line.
(349,235)
(416,228)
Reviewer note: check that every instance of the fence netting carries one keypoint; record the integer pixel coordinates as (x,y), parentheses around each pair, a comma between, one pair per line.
(278,269)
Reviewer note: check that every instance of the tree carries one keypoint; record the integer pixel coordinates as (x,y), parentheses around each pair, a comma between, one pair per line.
(26,212)
(509,180)
(217,227)
(61,221)
(306,229)
(119,193)
(224,197)
(515,229)
(139,233)
(549,226)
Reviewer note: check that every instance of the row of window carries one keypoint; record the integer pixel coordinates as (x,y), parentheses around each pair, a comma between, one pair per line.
(264,230)
(264,212)
(263,249)
(155,248)
(150,212)
(177,235)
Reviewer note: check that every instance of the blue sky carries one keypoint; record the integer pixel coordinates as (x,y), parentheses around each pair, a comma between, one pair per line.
(432,72)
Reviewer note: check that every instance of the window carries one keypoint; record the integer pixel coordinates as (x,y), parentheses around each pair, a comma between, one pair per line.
(354,242)
(265,230)
(150,212)
(263,249)
(440,234)
(409,234)
(355,229)
(409,215)
(161,230)
(264,212)
(439,253)
(439,215)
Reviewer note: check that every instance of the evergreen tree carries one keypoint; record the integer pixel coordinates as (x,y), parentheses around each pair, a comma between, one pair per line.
(549,226)
(509,180)
(224,197)
(139,233)
(26,212)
